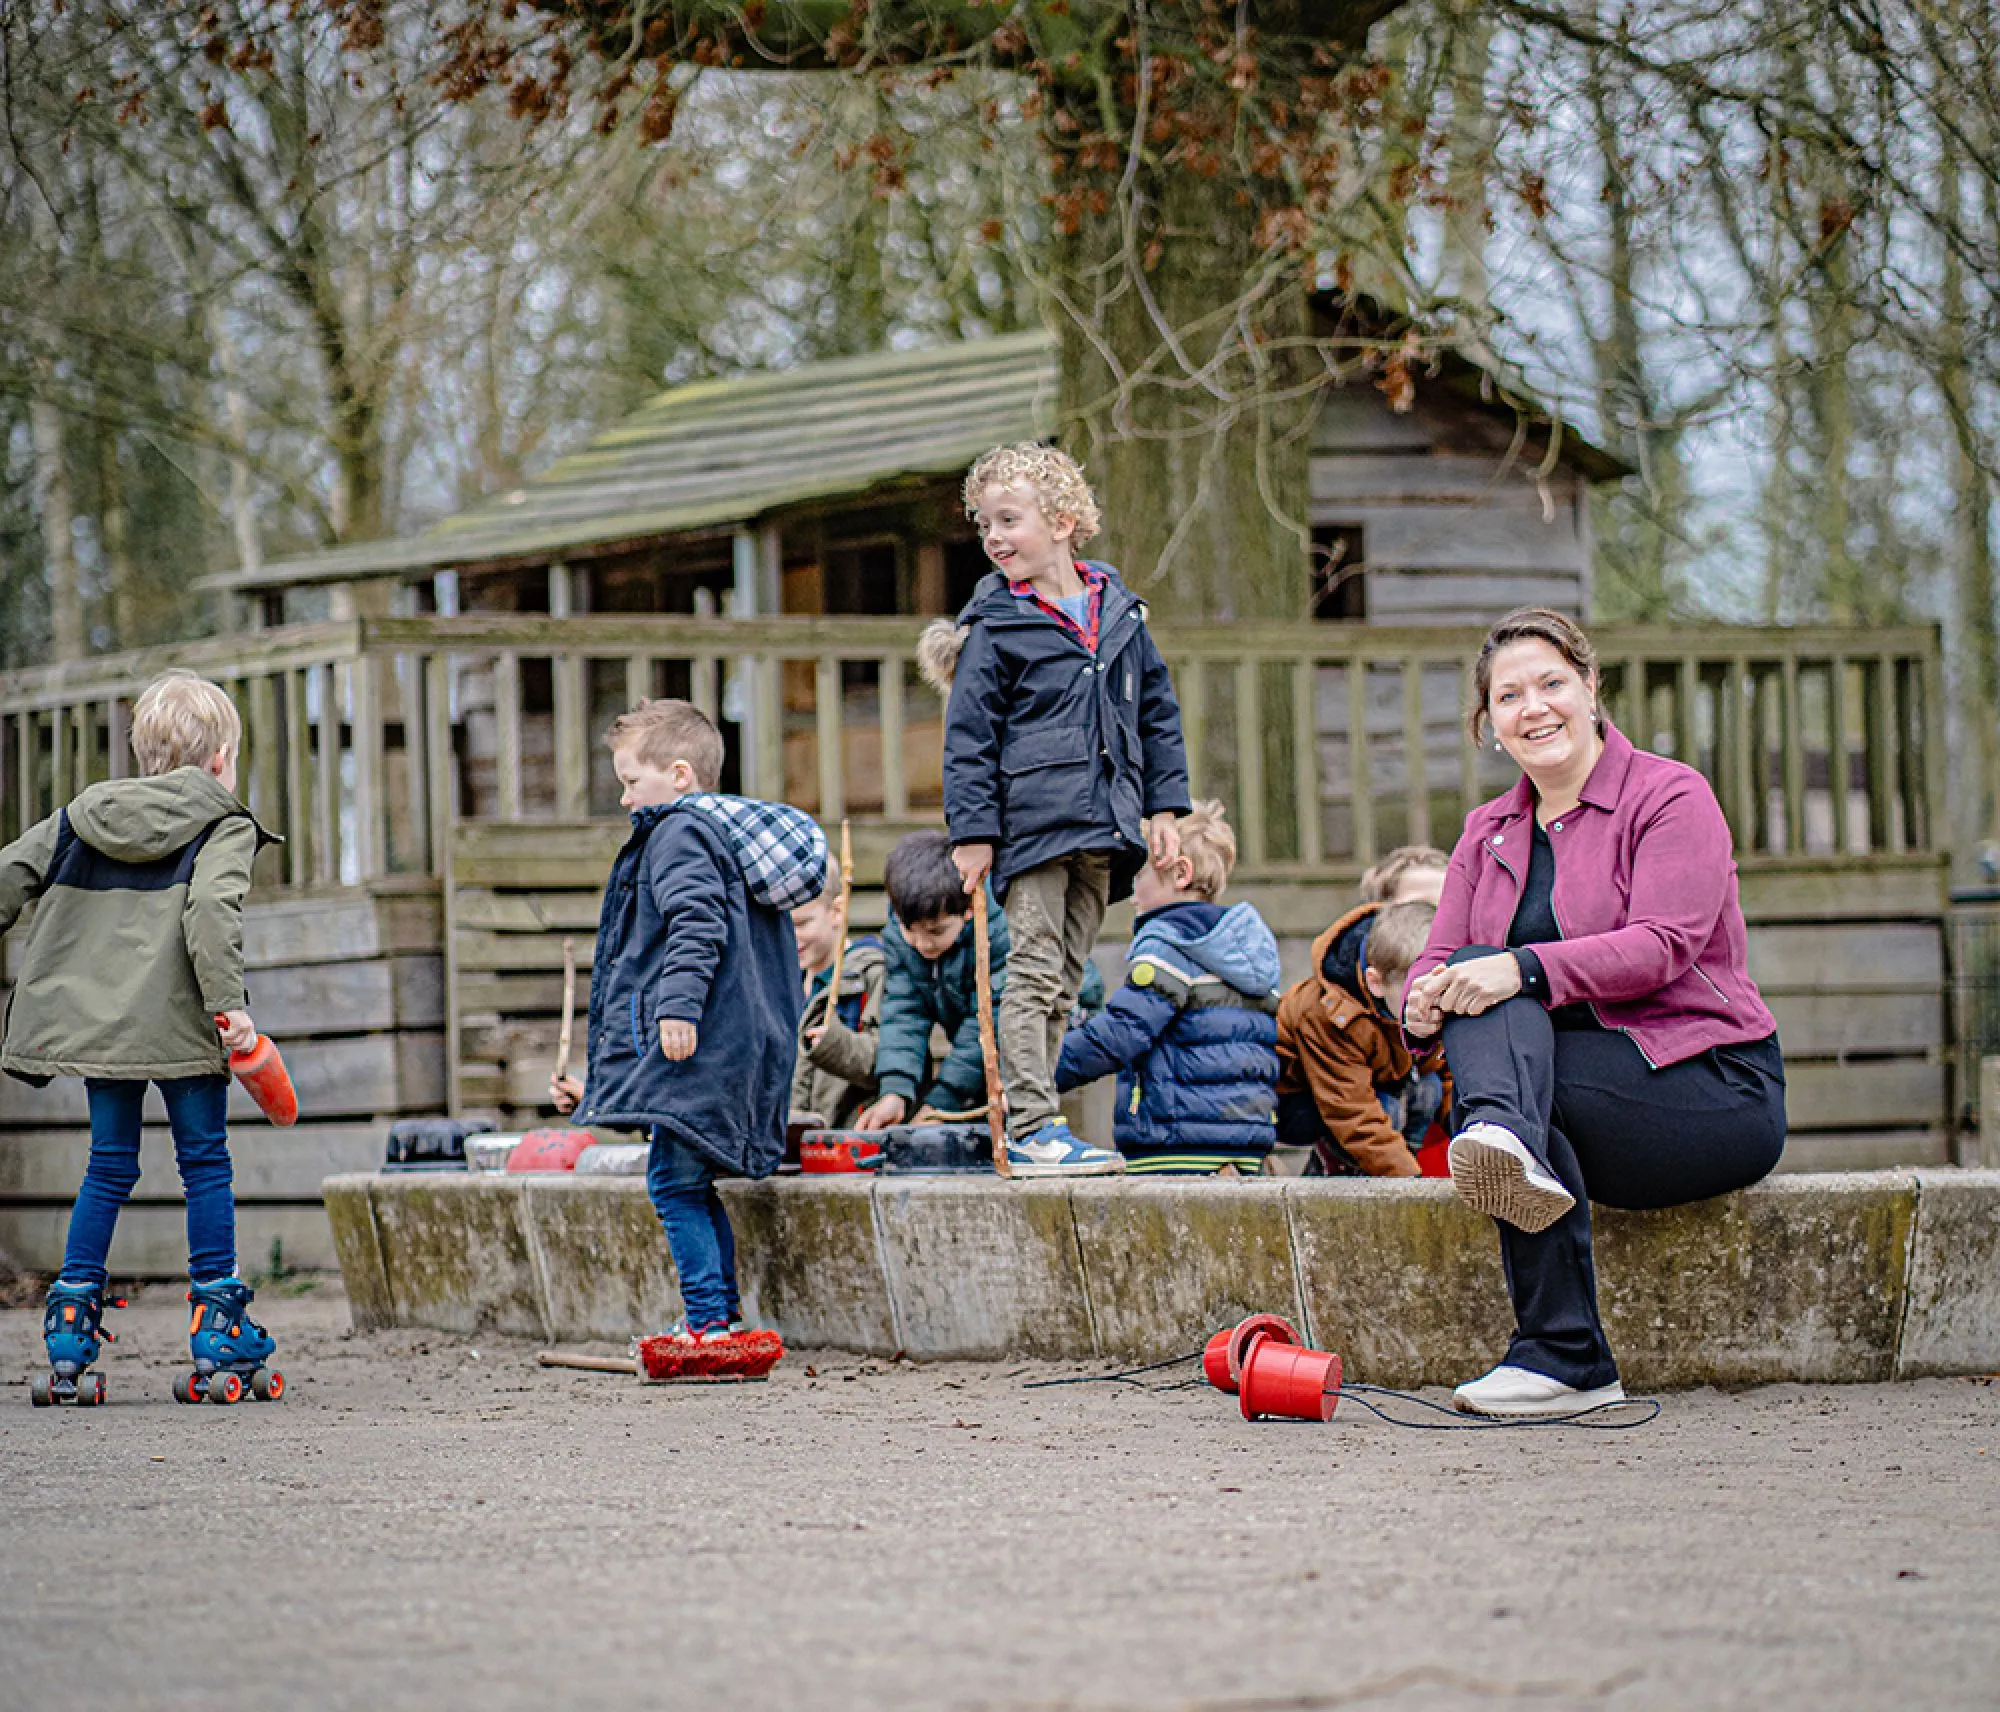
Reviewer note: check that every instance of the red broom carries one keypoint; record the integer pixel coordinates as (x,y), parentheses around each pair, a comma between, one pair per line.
(745,1355)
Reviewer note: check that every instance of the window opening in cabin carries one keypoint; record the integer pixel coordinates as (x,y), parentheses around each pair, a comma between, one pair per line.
(1339,591)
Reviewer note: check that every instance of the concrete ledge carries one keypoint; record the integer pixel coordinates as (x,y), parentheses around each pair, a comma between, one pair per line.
(1857,1276)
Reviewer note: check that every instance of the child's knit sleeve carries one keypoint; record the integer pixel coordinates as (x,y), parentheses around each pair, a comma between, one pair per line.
(1163,751)
(24,865)
(689,889)
(975,722)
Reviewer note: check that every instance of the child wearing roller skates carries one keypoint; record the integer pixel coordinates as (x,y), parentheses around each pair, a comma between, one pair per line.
(133,973)
(1061,735)
(694,990)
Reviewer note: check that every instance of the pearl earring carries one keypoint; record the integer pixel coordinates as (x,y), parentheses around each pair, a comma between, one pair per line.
(1496,745)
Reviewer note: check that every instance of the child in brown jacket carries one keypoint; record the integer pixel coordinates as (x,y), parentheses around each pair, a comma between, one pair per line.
(1348,1087)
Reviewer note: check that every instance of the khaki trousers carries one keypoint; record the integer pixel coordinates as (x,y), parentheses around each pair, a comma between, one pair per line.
(1053,914)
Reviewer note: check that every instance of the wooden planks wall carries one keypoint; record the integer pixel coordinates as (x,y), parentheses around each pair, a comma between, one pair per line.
(350,984)
(1448,537)
(1850,960)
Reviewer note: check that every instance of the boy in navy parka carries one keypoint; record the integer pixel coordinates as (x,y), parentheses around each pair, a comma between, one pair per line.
(1062,736)
(694,989)
(1193,1032)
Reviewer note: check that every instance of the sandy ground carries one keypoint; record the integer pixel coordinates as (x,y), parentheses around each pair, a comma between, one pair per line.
(437,1522)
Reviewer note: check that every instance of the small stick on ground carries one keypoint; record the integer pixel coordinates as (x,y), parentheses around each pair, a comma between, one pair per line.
(569,1007)
(989,1046)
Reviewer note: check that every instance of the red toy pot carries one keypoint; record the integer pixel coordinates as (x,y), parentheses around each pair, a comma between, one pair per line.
(549,1150)
(1222,1357)
(824,1151)
(1291,1383)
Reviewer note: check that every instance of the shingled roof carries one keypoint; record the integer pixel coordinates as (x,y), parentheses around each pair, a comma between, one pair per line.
(719,452)
(715,455)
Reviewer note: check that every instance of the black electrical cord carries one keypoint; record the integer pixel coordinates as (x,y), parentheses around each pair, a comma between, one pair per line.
(1455,1421)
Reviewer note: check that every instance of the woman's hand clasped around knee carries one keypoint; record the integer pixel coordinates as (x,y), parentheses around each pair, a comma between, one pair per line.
(1460,989)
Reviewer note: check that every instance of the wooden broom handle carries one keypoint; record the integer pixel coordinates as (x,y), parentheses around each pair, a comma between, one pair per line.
(989,1046)
(568,1008)
(840,933)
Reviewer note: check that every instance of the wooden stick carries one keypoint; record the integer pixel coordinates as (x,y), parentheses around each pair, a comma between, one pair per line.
(840,934)
(989,1046)
(589,1363)
(569,1007)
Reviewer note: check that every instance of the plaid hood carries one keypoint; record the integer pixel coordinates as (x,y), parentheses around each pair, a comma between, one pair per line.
(780,849)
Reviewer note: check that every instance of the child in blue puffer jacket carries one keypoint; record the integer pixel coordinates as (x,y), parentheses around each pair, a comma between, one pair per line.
(1193,1032)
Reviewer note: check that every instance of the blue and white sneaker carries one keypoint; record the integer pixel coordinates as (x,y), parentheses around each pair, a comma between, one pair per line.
(1052,1151)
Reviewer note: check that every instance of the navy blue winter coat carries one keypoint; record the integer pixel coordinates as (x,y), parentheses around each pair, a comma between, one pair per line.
(680,937)
(1193,1036)
(1049,749)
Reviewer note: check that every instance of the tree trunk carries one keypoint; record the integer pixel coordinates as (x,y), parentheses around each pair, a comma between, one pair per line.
(55,501)
(1974,719)
(1176,405)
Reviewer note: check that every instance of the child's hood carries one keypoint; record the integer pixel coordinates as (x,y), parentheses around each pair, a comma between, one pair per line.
(780,849)
(141,820)
(942,640)
(1237,947)
(1338,953)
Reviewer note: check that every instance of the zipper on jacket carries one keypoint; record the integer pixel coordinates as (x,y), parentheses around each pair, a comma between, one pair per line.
(1591,1004)
(1712,987)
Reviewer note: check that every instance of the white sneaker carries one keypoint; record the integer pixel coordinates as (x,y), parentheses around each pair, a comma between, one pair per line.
(1492,1170)
(1519,1393)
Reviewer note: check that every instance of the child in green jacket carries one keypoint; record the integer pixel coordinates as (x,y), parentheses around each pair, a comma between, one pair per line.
(133,973)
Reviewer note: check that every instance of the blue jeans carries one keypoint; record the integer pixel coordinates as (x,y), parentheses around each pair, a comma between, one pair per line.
(197,1110)
(682,1185)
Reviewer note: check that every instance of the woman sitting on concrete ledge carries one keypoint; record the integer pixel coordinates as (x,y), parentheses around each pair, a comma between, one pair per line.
(1604,1036)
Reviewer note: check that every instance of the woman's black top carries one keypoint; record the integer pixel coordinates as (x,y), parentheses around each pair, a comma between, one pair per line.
(1535,923)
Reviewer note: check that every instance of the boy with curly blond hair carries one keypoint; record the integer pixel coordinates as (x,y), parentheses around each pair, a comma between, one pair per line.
(1062,742)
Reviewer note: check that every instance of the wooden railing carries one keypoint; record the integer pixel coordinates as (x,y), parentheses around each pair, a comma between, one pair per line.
(366,740)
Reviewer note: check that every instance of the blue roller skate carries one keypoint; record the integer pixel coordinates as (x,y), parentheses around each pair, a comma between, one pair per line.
(230,1348)
(71,1327)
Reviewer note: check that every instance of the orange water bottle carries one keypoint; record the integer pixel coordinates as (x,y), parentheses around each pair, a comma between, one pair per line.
(264,1077)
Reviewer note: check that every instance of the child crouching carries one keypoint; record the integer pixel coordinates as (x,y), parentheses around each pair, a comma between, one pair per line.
(1348,1087)
(1192,1034)
(835,1077)
(694,990)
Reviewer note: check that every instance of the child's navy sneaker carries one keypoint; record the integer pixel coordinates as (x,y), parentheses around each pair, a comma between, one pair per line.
(1052,1151)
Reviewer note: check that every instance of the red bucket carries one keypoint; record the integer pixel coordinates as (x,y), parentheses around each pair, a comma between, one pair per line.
(1291,1383)
(1222,1356)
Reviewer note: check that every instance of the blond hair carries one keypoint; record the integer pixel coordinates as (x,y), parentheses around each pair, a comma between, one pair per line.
(183,720)
(1396,937)
(1209,843)
(667,730)
(1055,478)
(1379,883)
